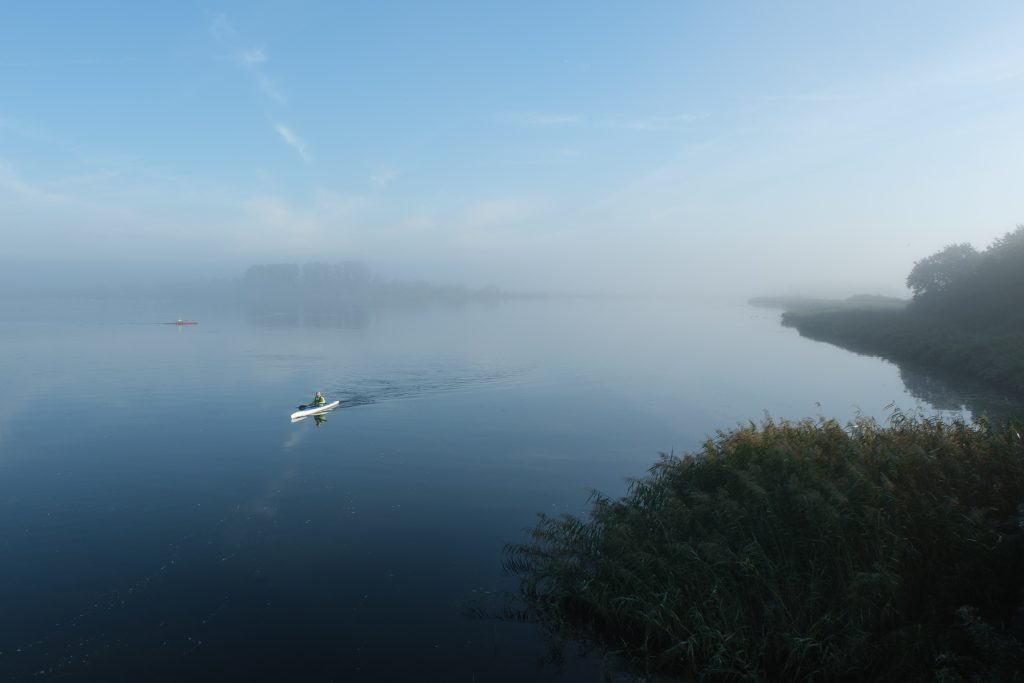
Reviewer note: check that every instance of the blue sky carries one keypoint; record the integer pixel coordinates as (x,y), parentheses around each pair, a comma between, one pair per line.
(664,145)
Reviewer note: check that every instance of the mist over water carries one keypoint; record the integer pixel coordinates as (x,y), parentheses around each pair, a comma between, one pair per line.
(162,516)
(515,241)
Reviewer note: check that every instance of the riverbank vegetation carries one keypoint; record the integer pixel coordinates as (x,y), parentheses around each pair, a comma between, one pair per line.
(965,318)
(857,302)
(800,551)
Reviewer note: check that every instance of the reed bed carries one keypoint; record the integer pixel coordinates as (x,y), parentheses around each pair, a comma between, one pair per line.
(799,551)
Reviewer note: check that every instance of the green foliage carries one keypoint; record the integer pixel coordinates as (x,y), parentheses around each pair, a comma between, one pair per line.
(794,551)
(937,273)
(982,291)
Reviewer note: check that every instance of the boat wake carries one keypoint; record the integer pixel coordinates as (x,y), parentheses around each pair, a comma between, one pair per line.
(410,385)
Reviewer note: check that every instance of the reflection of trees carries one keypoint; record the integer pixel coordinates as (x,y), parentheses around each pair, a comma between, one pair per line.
(946,392)
(271,318)
(347,316)
(353,316)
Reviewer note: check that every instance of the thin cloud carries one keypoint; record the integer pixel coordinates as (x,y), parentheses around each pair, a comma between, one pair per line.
(250,59)
(985,70)
(811,97)
(534,119)
(14,186)
(497,212)
(82,61)
(92,178)
(382,176)
(12,183)
(31,131)
(253,57)
(269,87)
(418,223)
(273,224)
(293,141)
(676,122)
(220,28)
(541,120)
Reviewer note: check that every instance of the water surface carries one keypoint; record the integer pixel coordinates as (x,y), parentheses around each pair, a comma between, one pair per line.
(161,518)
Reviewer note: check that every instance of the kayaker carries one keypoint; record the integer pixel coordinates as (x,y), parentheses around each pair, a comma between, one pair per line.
(318,400)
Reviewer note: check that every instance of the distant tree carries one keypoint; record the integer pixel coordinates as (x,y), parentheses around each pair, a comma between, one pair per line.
(317,275)
(999,286)
(937,273)
(273,275)
(1009,245)
(354,274)
(347,275)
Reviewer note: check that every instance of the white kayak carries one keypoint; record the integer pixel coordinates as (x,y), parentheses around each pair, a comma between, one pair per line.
(313,410)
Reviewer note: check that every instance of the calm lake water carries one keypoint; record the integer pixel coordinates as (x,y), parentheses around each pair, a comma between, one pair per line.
(161,518)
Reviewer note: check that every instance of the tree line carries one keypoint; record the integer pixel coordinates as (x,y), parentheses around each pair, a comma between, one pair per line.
(346,281)
(967,287)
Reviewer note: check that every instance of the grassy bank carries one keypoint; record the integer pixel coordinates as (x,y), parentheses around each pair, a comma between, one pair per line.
(994,357)
(857,302)
(804,551)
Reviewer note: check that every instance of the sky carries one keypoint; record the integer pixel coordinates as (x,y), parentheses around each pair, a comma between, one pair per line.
(761,148)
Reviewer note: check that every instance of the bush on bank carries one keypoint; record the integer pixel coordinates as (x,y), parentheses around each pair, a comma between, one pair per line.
(800,551)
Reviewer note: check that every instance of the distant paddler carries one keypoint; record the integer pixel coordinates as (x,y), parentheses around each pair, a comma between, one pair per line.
(318,405)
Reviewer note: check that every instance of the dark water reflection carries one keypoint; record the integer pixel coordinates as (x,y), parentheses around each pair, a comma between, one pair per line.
(162,519)
(956,394)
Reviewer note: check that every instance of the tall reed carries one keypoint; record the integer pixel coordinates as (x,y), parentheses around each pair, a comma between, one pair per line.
(796,551)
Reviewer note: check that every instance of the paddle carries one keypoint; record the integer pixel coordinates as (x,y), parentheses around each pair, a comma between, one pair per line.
(303,407)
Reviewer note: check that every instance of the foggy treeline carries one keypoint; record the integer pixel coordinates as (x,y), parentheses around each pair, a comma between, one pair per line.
(279,284)
(980,290)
